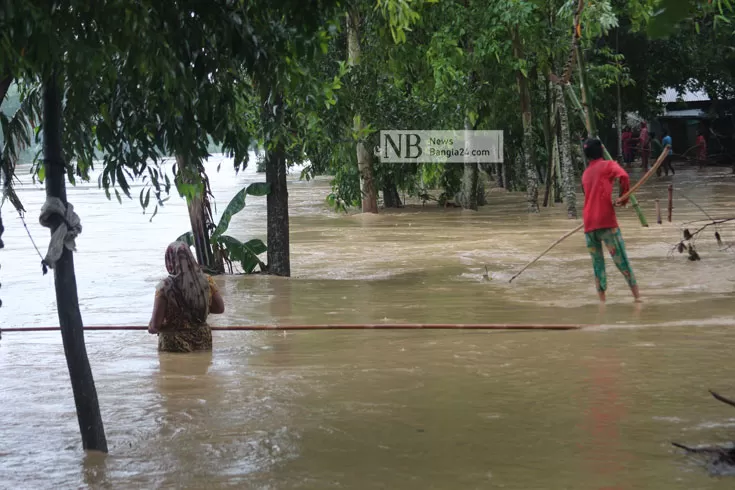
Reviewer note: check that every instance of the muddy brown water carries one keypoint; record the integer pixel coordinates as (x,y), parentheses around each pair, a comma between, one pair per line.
(586,409)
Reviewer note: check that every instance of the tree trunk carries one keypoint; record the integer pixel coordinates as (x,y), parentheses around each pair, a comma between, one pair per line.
(190,173)
(467,197)
(279,261)
(5,83)
(481,198)
(567,163)
(67,301)
(550,141)
(391,199)
(499,175)
(529,160)
(368,191)
(553,188)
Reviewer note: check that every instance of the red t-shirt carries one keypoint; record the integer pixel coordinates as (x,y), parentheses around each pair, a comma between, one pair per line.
(597,180)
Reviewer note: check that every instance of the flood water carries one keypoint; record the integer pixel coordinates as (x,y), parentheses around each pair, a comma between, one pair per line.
(590,409)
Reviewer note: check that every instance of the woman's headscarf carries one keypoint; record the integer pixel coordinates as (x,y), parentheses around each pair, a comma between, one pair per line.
(186,285)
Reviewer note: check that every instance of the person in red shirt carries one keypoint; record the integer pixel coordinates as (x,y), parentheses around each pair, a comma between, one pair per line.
(701,149)
(626,138)
(600,222)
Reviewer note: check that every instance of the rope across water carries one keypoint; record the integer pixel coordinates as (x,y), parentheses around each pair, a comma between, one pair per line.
(359,326)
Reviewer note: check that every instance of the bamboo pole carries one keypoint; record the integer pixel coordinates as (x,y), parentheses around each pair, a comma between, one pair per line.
(557,242)
(606,154)
(625,196)
(359,326)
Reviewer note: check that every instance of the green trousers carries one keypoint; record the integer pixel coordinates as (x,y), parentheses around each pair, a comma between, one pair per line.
(613,240)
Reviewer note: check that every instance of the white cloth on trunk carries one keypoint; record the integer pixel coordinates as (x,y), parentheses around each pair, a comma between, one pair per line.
(64,235)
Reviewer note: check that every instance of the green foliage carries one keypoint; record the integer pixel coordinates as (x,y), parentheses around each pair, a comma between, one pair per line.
(154,79)
(237,204)
(236,251)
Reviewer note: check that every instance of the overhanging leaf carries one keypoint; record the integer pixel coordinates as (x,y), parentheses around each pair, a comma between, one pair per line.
(237,204)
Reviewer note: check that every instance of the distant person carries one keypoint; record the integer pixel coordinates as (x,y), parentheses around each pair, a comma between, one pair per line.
(666,165)
(656,147)
(701,149)
(634,145)
(600,222)
(645,145)
(183,301)
(627,137)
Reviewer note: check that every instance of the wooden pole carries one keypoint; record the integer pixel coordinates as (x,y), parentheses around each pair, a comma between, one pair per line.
(359,326)
(625,196)
(67,301)
(671,200)
(658,212)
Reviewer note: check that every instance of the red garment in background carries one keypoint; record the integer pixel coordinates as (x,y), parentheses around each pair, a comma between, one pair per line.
(644,139)
(626,137)
(702,144)
(597,180)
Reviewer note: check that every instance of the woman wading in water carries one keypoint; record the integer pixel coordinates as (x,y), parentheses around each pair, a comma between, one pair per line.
(183,301)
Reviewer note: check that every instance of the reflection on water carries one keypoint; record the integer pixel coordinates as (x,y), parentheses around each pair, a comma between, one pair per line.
(377,409)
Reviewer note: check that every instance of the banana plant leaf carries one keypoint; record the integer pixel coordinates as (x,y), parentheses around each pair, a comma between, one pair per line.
(237,204)
(245,253)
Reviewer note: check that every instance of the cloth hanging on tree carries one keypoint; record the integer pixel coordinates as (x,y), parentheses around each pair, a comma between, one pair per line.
(65,234)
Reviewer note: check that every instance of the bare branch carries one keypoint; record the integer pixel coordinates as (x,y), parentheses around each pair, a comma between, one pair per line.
(722,399)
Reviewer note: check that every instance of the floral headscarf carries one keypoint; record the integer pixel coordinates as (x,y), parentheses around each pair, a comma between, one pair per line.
(186,286)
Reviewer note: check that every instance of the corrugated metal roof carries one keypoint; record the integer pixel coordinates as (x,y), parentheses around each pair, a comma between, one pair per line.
(671,95)
(686,113)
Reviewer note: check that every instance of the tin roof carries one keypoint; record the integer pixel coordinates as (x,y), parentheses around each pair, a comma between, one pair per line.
(671,95)
(686,114)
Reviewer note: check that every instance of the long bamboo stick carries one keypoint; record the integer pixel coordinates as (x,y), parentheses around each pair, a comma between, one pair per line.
(557,242)
(621,198)
(361,326)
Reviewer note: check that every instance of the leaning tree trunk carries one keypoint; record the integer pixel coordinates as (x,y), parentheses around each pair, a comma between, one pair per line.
(279,259)
(364,157)
(67,301)
(529,163)
(567,163)
(190,173)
